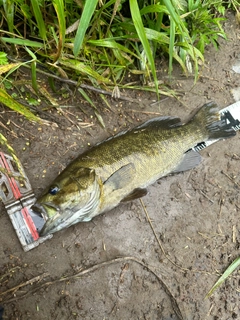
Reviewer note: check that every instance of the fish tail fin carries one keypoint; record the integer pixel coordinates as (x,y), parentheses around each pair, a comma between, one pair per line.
(208,117)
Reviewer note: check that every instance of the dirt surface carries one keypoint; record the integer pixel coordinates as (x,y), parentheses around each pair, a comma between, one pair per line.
(195,216)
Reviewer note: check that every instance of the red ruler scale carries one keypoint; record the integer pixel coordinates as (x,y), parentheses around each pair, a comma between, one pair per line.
(17,196)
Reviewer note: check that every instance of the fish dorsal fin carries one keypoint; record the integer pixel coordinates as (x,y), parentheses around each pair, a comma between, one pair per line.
(161,122)
(190,160)
(120,178)
(135,194)
(155,123)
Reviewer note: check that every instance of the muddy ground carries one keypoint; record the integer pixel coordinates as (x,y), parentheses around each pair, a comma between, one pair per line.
(195,216)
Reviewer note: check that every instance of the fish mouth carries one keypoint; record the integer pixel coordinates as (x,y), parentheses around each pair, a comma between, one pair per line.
(57,218)
(45,210)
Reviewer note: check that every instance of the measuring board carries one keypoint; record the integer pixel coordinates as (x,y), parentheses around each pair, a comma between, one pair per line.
(18,197)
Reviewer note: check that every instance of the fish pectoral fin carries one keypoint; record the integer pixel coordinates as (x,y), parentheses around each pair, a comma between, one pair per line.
(135,194)
(190,160)
(120,178)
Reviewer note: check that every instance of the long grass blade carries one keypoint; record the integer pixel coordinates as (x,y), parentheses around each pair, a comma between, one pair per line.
(59,8)
(8,6)
(4,142)
(97,114)
(111,44)
(234,265)
(8,101)
(39,18)
(84,69)
(176,17)
(137,21)
(88,10)
(153,9)
(160,10)
(22,42)
(176,23)
(33,69)
(171,44)
(151,34)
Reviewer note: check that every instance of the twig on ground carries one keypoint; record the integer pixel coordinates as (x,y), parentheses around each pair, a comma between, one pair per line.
(163,251)
(204,194)
(9,272)
(150,222)
(145,112)
(76,83)
(31,281)
(86,271)
(158,241)
(231,179)
(11,132)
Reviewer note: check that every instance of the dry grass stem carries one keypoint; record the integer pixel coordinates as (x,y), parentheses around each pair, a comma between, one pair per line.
(81,274)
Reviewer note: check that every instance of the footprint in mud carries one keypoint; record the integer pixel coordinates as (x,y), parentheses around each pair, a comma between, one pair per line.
(176,191)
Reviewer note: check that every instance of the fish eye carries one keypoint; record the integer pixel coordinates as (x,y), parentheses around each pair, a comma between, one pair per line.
(53,190)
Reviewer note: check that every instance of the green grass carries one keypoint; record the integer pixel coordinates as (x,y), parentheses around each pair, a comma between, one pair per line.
(118,36)
(233,266)
(99,42)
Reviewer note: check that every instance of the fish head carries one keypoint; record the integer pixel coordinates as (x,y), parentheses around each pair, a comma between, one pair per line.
(71,198)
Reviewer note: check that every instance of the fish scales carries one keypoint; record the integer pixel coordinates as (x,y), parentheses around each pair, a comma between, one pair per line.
(121,167)
(145,148)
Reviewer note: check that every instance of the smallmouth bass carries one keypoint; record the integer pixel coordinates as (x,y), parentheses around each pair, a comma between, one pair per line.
(121,167)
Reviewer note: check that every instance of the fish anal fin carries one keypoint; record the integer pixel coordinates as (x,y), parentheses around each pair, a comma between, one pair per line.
(135,194)
(190,160)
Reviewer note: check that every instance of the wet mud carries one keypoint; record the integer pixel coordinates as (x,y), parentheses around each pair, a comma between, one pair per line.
(177,239)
